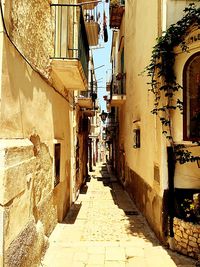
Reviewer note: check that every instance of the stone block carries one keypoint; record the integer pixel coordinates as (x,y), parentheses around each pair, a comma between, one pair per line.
(196,229)
(176,221)
(17,164)
(190,249)
(193,244)
(184,245)
(115,254)
(178,238)
(196,250)
(192,239)
(179,233)
(17,179)
(17,215)
(185,235)
(188,231)
(46,212)
(28,246)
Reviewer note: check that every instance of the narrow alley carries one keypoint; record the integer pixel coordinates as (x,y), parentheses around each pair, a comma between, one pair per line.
(104,228)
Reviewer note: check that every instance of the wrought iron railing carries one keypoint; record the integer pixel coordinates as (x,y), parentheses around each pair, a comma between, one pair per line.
(118,85)
(70,39)
(85,94)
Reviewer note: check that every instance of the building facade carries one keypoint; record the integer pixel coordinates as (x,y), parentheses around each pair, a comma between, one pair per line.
(140,151)
(44,55)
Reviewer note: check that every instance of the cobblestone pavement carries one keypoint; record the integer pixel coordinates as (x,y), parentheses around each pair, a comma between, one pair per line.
(105,229)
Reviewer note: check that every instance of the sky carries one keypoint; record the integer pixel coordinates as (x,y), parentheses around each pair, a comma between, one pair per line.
(102,57)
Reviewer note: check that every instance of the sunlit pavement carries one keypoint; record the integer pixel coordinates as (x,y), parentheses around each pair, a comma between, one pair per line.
(105,229)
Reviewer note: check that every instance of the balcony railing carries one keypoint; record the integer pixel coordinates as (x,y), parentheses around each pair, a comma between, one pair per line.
(87,99)
(118,84)
(88,5)
(70,39)
(118,90)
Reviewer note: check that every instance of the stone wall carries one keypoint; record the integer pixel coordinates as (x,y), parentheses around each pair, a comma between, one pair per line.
(187,238)
(32,116)
(29,209)
(32,31)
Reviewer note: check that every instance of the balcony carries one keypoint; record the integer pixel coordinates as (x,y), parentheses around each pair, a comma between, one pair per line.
(88,5)
(69,66)
(92,26)
(117,8)
(118,90)
(85,100)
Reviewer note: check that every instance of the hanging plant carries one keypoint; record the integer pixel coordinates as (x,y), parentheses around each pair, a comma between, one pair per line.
(163,80)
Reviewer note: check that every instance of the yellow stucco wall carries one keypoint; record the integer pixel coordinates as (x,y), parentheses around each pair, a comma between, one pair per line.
(29,107)
(33,117)
(187,175)
(140,33)
(146,175)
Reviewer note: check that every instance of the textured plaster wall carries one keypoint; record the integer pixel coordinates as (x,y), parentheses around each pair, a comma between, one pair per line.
(148,202)
(186,175)
(146,187)
(32,115)
(174,10)
(140,35)
(32,30)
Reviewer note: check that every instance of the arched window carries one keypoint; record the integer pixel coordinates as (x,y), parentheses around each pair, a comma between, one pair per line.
(191,98)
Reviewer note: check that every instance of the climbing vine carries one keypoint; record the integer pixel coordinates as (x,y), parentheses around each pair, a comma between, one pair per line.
(163,80)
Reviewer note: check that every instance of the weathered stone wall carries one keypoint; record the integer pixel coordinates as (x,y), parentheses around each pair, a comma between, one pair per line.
(32,116)
(32,31)
(29,216)
(187,238)
(27,248)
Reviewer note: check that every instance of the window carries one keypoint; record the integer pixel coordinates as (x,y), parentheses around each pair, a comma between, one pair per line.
(191,98)
(57,164)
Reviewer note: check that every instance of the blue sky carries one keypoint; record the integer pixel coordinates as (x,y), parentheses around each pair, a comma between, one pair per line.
(102,57)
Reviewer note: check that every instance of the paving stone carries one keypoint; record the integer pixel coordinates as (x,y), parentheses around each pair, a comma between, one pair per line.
(115,264)
(96,259)
(100,231)
(96,250)
(134,252)
(75,264)
(81,256)
(115,254)
(159,261)
(136,262)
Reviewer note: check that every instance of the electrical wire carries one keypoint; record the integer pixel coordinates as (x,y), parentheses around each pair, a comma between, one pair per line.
(34,68)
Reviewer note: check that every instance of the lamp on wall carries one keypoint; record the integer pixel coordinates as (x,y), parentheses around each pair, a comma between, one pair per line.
(103,116)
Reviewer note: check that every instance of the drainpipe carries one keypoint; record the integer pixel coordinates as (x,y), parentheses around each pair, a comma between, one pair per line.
(171,196)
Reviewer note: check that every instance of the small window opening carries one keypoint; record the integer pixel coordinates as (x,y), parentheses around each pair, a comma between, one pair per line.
(57,149)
